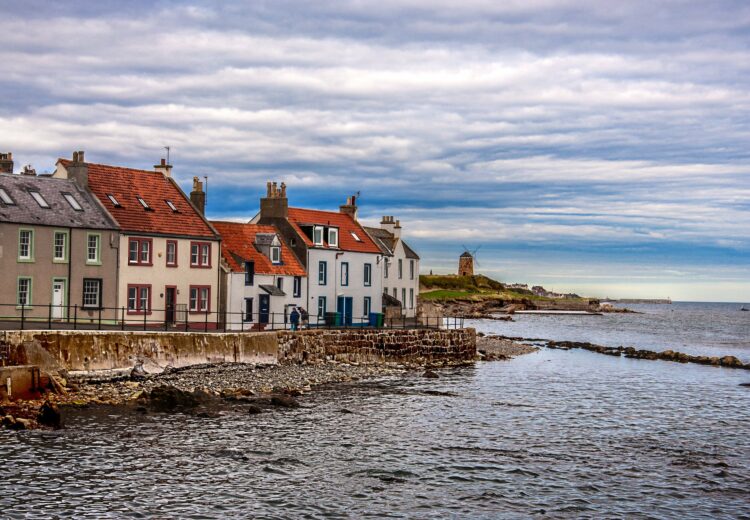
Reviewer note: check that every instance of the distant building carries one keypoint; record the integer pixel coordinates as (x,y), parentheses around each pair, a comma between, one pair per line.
(400,265)
(466,264)
(6,162)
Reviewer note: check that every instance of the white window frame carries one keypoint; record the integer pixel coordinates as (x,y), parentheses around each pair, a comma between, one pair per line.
(97,249)
(28,292)
(143,202)
(39,199)
(367,306)
(29,255)
(355,236)
(98,284)
(333,237)
(64,256)
(318,235)
(275,254)
(368,274)
(114,200)
(5,197)
(72,201)
(171,205)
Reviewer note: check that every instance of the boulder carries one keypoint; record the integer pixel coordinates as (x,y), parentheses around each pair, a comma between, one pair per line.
(49,415)
(138,373)
(171,399)
(284,401)
(430,374)
(254,409)
(731,361)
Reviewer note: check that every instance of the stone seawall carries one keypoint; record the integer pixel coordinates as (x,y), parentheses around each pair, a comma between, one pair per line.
(112,350)
(371,346)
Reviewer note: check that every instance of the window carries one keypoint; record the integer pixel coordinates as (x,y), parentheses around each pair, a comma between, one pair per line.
(400,268)
(275,254)
(367,307)
(6,198)
(322,273)
(297,292)
(92,292)
(355,237)
(23,294)
(113,200)
(93,253)
(199,298)
(386,263)
(248,309)
(72,201)
(139,251)
(368,275)
(385,290)
(26,245)
(171,253)
(395,293)
(249,273)
(39,199)
(144,203)
(200,254)
(344,274)
(411,298)
(411,269)
(139,299)
(280,283)
(171,205)
(333,237)
(321,306)
(60,247)
(403,296)
(318,235)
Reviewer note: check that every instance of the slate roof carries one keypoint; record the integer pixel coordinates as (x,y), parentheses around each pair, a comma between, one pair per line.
(26,210)
(125,184)
(238,247)
(346,224)
(387,242)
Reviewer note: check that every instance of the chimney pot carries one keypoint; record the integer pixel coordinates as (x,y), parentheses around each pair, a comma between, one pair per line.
(80,156)
(75,156)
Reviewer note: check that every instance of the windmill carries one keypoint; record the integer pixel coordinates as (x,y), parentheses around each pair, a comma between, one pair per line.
(467,260)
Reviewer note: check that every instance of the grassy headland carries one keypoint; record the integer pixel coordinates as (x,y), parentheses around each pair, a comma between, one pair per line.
(474,288)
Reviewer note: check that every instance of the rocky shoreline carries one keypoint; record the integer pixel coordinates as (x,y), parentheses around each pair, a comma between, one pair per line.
(500,348)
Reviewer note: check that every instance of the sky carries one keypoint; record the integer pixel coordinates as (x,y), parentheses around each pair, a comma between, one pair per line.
(588,146)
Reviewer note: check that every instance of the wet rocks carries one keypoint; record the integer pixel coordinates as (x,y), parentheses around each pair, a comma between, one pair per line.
(731,361)
(254,409)
(499,348)
(430,374)
(138,373)
(172,399)
(284,401)
(49,415)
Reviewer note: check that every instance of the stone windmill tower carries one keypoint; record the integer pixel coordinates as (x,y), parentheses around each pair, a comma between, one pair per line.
(466,264)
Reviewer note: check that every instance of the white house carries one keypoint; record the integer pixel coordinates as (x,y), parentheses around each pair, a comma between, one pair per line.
(401,265)
(343,263)
(263,281)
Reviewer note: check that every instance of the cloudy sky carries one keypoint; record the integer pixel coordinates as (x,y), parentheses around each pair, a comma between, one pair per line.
(589,146)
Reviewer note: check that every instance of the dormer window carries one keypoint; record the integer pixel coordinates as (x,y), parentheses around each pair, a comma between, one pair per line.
(144,203)
(171,205)
(72,201)
(318,235)
(333,237)
(275,254)
(39,199)
(113,200)
(6,198)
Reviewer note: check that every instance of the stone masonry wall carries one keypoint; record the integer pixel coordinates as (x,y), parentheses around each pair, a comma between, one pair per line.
(377,346)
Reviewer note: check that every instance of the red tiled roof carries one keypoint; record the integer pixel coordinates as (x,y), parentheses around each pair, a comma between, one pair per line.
(238,239)
(346,224)
(125,184)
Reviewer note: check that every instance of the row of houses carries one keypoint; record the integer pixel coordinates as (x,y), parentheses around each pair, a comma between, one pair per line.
(105,243)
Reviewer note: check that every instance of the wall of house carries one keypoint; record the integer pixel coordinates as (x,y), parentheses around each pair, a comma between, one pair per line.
(406,282)
(160,276)
(356,288)
(281,306)
(43,270)
(104,350)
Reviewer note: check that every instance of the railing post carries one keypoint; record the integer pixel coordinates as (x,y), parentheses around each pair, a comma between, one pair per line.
(273,324)
(122,319)
(166,322)
(75,317)
(99,326)
(49,317)
(23,315)
(187,315)
(205,323)
(145,318)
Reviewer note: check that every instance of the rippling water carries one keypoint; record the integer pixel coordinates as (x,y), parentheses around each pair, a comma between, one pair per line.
(566,434)
(708,329)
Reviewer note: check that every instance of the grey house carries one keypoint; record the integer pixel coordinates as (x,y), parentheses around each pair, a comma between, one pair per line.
(58,250)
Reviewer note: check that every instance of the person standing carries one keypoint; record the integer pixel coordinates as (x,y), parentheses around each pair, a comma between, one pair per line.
(294,318)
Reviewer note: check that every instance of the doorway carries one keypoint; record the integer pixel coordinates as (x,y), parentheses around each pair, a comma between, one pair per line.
(58,299)
(264,307)
(170,295)
(344,308)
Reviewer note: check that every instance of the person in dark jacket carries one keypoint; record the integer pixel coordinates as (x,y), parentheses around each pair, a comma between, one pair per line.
(294,318)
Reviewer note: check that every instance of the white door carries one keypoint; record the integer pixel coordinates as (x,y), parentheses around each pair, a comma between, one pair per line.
(58,299)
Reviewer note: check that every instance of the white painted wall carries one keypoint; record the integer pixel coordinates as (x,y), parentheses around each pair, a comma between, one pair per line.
(406,283)
(237,291)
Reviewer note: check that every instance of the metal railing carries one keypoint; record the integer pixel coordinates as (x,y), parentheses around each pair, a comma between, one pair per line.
(180,318)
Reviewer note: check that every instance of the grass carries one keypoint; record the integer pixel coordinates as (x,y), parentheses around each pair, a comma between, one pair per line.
(477,287)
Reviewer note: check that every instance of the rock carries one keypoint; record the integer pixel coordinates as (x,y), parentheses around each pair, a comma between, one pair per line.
(171,399)
(254,409)
(8,421)
(49,415)
(430,374)
(346,411)
(745,384)
(284,401)
(731,361)
(138,373)
(22,424)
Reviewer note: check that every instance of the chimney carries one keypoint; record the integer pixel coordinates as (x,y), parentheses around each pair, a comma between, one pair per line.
(393,226)
(79,170)
(164,168)
(350,208)
(28,170)
(6,162)
(197,196)
(275,203)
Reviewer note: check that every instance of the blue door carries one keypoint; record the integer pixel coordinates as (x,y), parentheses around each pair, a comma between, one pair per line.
(344,308)
(264,304)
